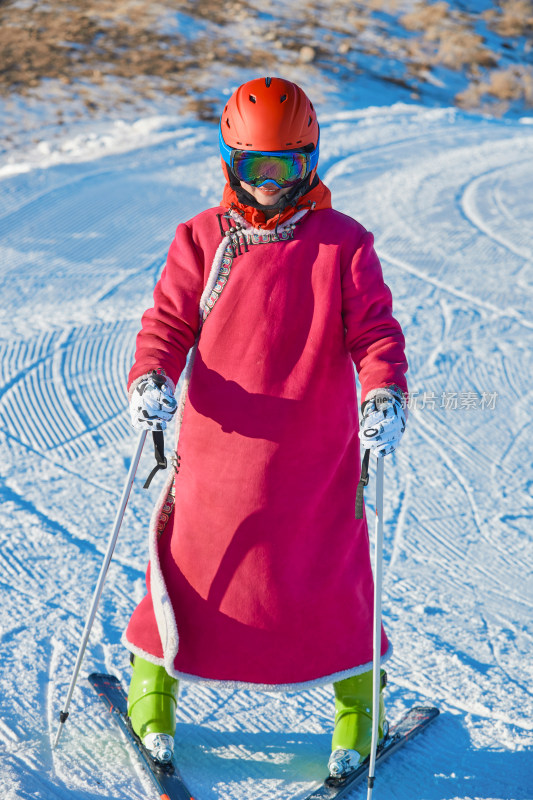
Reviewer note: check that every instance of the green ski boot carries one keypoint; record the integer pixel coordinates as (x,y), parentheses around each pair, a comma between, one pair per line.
(152,700)
(352,736)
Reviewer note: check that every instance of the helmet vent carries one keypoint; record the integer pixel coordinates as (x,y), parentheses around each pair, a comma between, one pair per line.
(252,98)
(309,121)
(268,82)
(282,98)
(227,123)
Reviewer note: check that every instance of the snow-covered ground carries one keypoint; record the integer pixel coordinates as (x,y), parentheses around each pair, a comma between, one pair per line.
(85,223)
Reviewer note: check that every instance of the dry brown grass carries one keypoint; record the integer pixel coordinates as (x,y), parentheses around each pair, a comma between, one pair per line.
(115,52)
(447,38)
(511,18)
(507,84)
(464,48)
(114,41)
(125,50)
(502,87)
(494,90)
(426,17)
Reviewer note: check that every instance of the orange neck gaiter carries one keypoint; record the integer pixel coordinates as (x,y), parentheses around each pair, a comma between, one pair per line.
(317,197)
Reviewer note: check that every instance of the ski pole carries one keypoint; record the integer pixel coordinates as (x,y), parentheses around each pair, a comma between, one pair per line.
(376,664)
(100,584)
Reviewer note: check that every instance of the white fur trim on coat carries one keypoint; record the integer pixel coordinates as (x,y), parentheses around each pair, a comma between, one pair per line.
(260,687)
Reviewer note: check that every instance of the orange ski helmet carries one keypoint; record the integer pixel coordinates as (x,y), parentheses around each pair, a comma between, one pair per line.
(269,114)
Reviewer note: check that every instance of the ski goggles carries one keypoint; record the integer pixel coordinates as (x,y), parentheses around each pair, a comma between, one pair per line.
(284,168)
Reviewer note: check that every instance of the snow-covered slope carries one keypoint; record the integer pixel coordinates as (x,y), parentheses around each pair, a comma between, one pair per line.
(84,229)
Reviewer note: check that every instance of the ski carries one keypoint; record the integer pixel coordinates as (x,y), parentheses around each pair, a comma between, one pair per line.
(166,779)
(171,786)
(414,721)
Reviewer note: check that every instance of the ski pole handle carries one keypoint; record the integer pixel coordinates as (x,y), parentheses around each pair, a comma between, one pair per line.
(158,437)
(159,378)
(101,579)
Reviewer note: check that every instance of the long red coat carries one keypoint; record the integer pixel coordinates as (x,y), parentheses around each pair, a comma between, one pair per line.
(259,573)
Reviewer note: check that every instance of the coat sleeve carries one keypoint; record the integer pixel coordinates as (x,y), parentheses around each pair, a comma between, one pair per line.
(373,336)
(170,327)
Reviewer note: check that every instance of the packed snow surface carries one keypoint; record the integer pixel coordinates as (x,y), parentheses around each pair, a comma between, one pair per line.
(85,224)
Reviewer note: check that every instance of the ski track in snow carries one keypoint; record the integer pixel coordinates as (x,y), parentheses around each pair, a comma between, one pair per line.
(83,237)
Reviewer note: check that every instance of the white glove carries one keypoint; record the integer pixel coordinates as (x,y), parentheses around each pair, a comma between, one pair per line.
(383,421)
(152,405)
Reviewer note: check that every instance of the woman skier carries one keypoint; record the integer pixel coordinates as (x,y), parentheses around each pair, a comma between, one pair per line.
(259,573)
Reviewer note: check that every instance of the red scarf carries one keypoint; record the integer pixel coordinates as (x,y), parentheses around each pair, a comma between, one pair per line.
(317,197)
